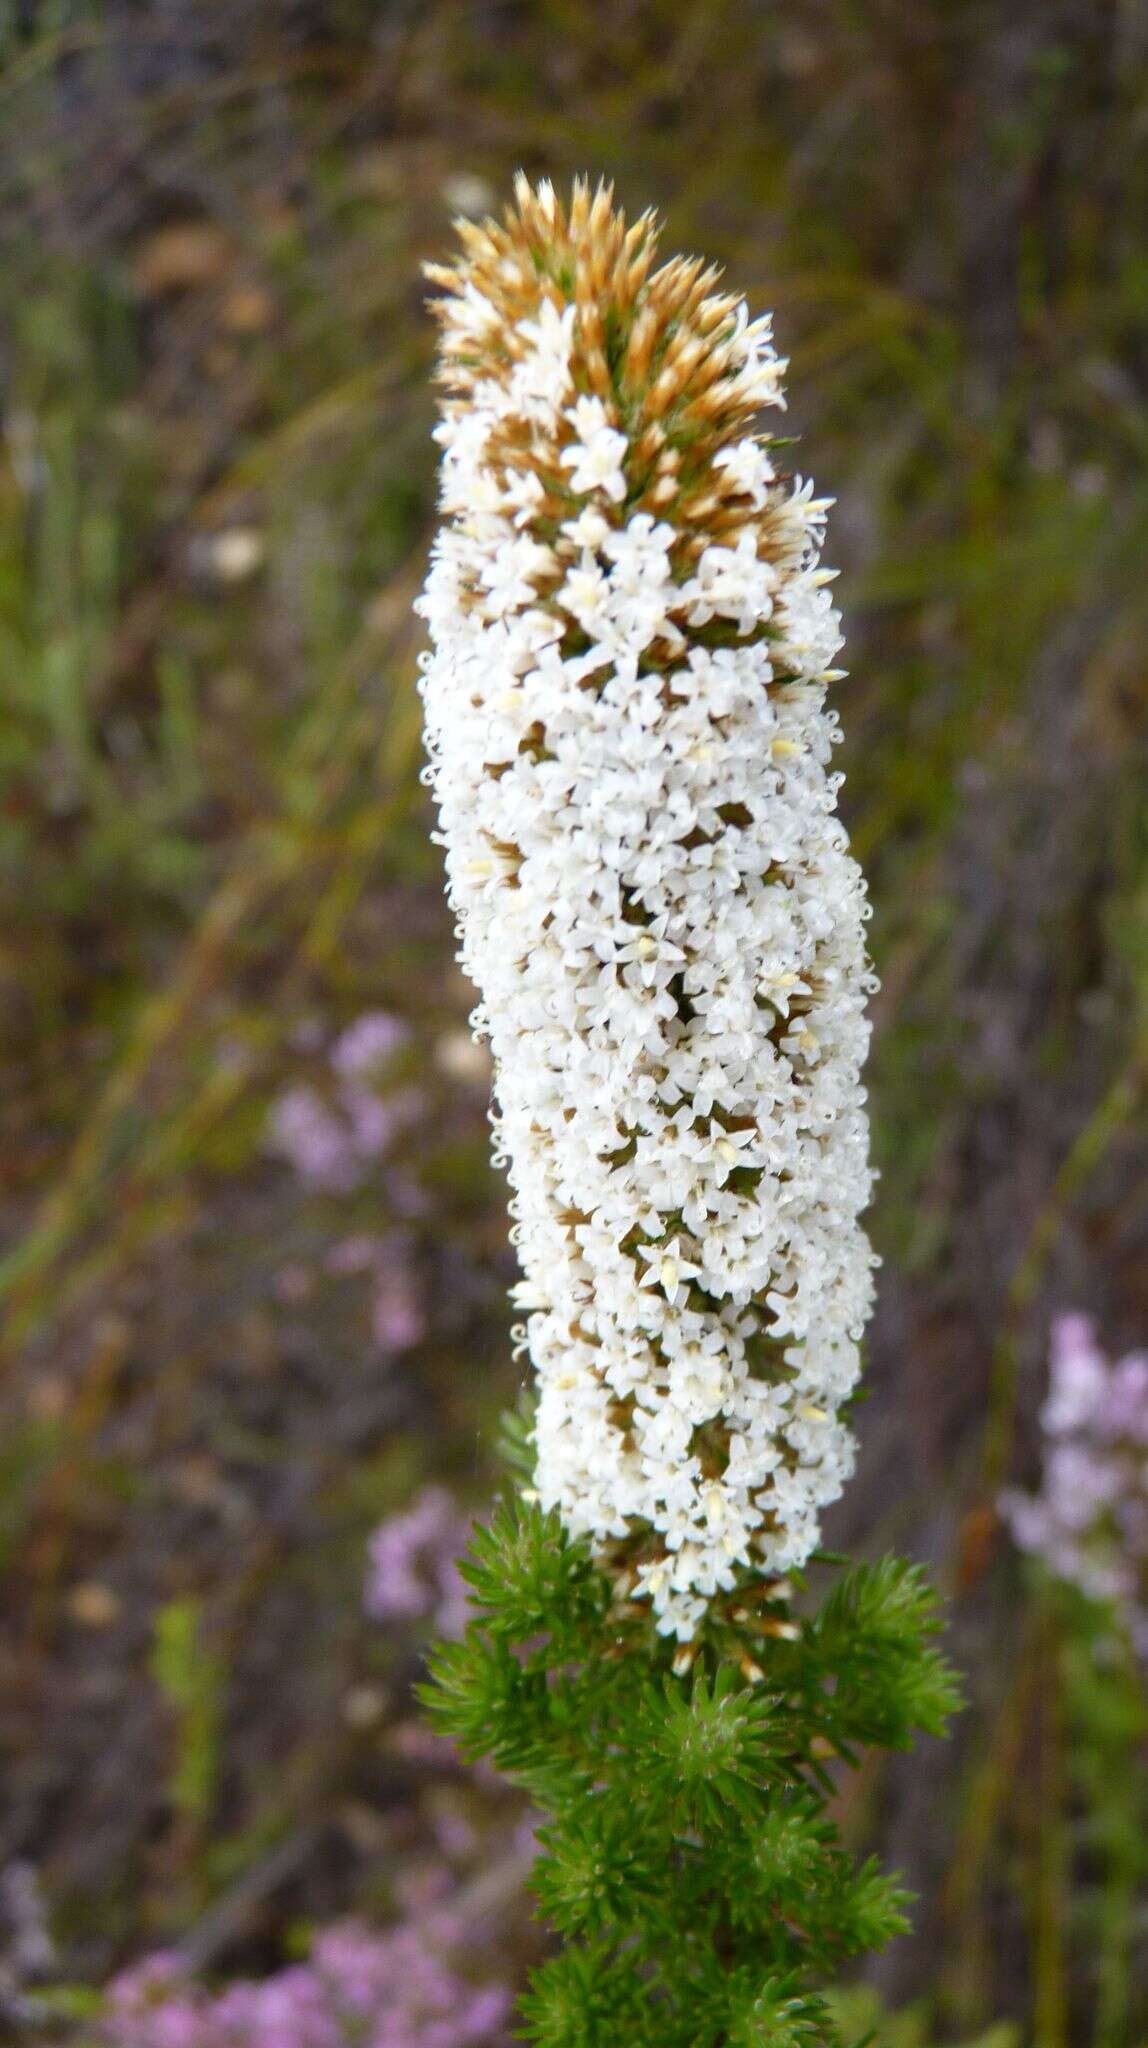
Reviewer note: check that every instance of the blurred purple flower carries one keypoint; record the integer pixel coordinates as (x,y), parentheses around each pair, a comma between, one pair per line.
(371,1120)
(329,1143)
(397,1318)
(1078,1376)
(456,1834)
(356,1254)
(152,2005)
(290,2010)
(374,1120)
(367,1044)
(1089,1522)
(360,1989)
(315,1142)
(1126,1398)
(412,1564)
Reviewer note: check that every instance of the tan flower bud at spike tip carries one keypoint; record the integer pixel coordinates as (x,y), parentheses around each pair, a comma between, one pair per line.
(630,752)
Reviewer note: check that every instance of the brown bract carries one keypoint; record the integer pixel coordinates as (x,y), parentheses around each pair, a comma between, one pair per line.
(661,348)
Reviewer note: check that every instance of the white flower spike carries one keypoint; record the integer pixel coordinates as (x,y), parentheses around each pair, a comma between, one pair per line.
(630,751)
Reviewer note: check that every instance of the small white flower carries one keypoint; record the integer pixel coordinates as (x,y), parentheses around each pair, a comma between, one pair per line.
(748,468)
(732,583)
(584,593)
(541,379)
(668,1268)
(589,530)
(474,314)
(595,458)
(523,495)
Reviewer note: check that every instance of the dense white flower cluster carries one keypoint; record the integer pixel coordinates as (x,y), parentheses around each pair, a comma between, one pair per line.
(630,751)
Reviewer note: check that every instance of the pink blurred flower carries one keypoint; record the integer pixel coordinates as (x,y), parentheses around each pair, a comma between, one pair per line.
(315,1142)
(413,1570)
(154,2005)
(356,1254)
(329,1142)
(1078,1376)
(397,1318)
(1089,1521)
(367,1044)
(360,1989)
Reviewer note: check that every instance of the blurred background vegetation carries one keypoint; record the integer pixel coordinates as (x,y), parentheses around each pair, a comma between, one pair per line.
(229,1348)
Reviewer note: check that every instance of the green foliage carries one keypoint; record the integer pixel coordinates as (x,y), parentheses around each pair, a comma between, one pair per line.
(688,1857)
(26,1454)
(1105,1709)
(191,1677)
(861,2017)
(590,1995)
(709,1747)
(525,1578)
(873,1637)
